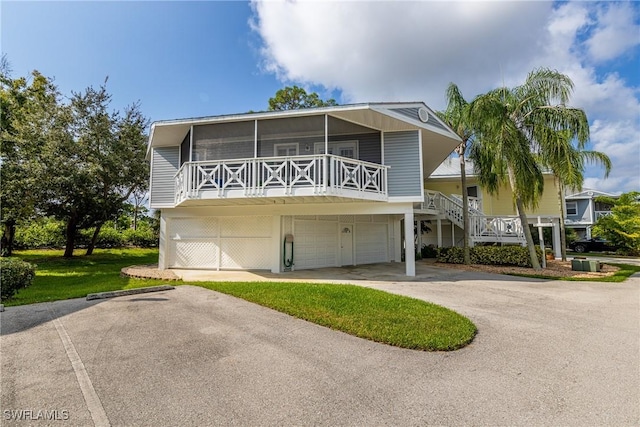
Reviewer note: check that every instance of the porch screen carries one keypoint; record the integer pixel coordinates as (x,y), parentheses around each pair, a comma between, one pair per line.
(304,131)
(224,141)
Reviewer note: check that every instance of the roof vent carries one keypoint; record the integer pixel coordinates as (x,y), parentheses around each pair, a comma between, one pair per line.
(423,114)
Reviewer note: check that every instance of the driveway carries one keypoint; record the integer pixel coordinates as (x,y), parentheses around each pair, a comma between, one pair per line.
(547,353)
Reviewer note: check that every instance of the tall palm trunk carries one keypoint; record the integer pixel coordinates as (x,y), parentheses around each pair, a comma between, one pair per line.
(465,205)
(527,234)
(524,222)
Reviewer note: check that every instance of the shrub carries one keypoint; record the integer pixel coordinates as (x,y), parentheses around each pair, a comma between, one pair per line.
(142,237)
(15,274)
(429,251)
(108,238)
(42,233)
(489,255)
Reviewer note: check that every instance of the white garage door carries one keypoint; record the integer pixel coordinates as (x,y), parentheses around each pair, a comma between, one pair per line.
(220,242)
(372,243)
(316,244)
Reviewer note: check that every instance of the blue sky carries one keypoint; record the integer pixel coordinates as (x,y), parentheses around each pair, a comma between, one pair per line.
(191,59)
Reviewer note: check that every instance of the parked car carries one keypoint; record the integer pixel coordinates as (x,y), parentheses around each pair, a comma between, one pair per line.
(591,245)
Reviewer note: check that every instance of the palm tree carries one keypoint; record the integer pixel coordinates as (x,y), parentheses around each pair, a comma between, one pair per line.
(567,162)
(512,124)
(456,116)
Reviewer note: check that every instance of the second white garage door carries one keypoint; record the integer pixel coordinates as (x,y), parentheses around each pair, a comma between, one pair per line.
(317,240)
(316,244)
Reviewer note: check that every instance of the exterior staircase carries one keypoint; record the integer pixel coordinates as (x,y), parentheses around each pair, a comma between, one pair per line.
(483,228)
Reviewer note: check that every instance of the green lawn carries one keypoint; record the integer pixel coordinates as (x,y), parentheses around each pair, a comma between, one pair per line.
(363,312)
(59,278)
(367,313)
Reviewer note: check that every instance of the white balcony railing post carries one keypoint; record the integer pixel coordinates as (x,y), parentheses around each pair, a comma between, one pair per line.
(254,177)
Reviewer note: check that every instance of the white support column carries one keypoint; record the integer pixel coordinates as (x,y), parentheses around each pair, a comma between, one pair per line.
(326,134)
(191,144)
(453,234)
(541,237)
(409,245)
(439,228)
(163,244)
(255,139)
(397,238)
(276,244)
(556,239)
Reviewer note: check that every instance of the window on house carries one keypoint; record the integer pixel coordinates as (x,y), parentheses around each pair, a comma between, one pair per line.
(602,207)
(347,149)
(472,191)
(285,150)
(572,208)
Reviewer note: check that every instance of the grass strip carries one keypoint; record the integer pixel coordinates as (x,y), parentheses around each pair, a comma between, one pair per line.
(366,313)
(626,270)
(60,278)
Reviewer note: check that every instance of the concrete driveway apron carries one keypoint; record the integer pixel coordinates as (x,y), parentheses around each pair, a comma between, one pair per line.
(547,353)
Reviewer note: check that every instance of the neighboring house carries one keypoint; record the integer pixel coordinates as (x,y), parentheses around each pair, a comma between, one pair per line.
(493,218)
(298,189)
(583,211)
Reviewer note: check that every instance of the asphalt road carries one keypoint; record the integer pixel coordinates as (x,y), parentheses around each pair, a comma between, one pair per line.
(547,353)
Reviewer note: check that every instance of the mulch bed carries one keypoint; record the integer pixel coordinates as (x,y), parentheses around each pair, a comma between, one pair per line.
(554,268)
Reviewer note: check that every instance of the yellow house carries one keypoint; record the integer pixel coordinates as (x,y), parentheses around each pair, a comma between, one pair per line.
(493,218)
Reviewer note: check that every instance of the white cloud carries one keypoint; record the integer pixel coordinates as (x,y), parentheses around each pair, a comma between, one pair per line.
(620,140)
(386,51)
(398,50)
(616,33)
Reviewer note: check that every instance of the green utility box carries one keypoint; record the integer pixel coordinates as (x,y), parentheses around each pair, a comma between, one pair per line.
(590,266)
(576,264)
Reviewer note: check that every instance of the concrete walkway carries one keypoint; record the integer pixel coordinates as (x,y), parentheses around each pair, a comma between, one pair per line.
(358,274)
(547,353)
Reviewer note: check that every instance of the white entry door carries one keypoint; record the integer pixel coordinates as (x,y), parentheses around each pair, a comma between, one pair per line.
(346,244)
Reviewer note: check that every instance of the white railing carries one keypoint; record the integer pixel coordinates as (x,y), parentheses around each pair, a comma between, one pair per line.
(436,201)
(281,176)
(475,203)
(600,214)
(496,229)
(482,228)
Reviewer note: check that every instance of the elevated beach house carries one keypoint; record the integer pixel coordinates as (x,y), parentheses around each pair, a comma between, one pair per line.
(291,190)
(583,210)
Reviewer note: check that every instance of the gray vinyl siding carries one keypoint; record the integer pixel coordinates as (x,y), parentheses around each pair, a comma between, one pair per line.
(402,154)
(369,147)
(164,165)
(413,114)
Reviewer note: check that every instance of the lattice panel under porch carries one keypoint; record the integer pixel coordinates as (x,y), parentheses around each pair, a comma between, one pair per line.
(245,253)
(193,227)
(246,226)
(193,254)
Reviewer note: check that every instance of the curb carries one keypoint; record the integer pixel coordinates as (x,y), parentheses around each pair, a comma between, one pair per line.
(113,294)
